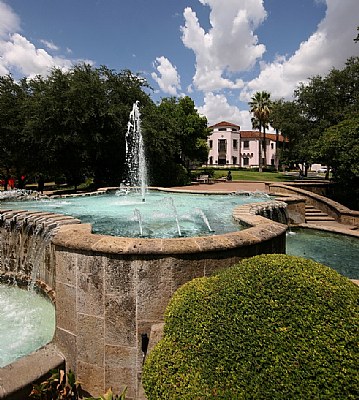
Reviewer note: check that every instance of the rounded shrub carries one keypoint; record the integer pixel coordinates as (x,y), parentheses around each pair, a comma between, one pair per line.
(272,327)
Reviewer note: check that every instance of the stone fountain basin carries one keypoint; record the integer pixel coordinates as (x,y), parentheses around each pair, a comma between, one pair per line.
(111,290)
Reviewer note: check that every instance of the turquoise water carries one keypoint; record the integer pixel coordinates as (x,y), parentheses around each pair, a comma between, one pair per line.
(162,215)
(339,252)
(27,322)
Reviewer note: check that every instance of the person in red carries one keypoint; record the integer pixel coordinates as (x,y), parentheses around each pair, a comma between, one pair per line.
(11,183)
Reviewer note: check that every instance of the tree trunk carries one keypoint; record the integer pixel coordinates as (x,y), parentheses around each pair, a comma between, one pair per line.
(260,150)
(264,147)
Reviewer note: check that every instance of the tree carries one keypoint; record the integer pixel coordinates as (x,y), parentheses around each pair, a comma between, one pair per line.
(340,144)
(12,119)
(288,118)
(260,107)
(175,136)
(325,102)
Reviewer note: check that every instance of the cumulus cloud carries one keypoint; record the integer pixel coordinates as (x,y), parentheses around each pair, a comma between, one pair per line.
(9,21)
(216,108)
(329,47)
(19,55)
(167,76)
(230,44)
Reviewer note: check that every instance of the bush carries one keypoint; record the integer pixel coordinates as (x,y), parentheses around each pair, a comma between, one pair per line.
(271,327)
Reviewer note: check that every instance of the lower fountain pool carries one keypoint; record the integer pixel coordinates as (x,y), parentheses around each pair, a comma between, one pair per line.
(162,215)
(340,252)
(27,322)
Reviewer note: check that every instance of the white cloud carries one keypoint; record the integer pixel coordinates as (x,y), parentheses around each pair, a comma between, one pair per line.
(167,77)
(50,45)
(18,55)
(330,46)
(9,21)
(229,46)
(216,108)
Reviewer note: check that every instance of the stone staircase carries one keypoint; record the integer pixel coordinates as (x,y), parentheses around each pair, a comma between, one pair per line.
(313,215)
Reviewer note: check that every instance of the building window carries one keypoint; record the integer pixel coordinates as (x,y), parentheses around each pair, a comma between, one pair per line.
(246,144)
(235,144)
(234,160)
(222,129)
(272,161)
(222,145)
(211,160)
(211,144)
(234,130)
(272,146)
(246,161)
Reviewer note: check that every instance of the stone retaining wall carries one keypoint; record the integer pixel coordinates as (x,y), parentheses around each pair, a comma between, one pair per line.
(341,213)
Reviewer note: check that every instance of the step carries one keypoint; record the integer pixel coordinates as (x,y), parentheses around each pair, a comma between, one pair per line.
(316,214)
(319,218)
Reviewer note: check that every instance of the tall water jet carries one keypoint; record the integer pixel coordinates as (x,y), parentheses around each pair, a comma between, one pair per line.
(135,152)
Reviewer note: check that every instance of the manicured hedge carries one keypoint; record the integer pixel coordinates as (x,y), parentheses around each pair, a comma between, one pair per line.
(271,327)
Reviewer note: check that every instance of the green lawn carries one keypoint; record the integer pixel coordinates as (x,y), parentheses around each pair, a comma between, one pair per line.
(255,176)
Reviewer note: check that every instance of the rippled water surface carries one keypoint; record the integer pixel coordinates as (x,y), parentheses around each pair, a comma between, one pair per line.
(27,322)
(339,252)
(162,215)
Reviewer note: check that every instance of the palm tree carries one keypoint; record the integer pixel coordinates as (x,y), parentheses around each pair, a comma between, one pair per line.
(260,107)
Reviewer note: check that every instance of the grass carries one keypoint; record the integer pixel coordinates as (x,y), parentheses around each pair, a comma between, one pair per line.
(255,176)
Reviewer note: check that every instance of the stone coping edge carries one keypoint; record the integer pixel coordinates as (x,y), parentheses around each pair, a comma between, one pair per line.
(331,229)
(335,206)
(17,378)
(79,237)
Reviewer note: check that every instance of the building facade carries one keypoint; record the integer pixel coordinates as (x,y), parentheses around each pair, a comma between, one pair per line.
(229,146)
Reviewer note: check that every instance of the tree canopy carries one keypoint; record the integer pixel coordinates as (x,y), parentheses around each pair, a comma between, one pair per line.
(72,124)
(322,121)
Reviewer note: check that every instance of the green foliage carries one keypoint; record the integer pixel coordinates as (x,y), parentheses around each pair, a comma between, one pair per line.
(261,107)
(109,396)
(73,124)
(58,386)
(62,386)
(271,327)
(175,136)
(341,145)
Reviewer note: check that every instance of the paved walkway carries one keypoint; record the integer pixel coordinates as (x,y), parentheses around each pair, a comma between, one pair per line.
(225,187)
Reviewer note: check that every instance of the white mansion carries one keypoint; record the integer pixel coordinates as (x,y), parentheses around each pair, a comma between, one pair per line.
(229,146)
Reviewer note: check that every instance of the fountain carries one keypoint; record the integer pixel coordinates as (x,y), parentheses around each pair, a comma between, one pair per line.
(135,153)
(113,285)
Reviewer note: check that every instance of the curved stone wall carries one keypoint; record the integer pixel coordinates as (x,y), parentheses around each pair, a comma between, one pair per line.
(341,213)
(111,290)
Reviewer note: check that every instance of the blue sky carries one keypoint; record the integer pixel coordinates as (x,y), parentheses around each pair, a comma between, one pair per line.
(219,52)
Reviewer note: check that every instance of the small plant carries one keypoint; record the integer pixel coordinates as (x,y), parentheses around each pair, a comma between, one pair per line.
(62,386)
(110,396)
(58,386)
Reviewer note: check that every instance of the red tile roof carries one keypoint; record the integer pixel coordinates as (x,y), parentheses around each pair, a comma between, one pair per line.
(257,134)
(224,123)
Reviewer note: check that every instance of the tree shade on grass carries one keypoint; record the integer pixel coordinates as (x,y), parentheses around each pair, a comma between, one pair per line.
(271,327)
